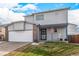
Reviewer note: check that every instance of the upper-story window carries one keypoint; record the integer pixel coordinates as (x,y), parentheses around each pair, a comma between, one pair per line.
(39,17)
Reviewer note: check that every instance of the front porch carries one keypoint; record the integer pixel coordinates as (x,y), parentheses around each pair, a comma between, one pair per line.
(53,33)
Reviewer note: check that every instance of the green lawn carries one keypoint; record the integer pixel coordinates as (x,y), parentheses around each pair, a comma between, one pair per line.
(47,49)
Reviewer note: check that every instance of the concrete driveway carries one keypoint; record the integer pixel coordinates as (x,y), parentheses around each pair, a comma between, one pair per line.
(6,47)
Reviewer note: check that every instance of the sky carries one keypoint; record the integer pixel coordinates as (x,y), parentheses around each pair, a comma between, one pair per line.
(10,12)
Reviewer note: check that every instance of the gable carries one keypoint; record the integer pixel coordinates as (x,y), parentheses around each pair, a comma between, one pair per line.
(20,26)
(16,26)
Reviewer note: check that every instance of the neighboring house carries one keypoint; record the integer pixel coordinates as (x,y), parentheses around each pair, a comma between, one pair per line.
(2,33)
(44,26)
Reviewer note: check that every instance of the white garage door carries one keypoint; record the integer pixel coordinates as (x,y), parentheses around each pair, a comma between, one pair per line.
(21,36)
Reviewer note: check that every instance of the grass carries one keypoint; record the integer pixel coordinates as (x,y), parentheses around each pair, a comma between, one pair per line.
(47,49)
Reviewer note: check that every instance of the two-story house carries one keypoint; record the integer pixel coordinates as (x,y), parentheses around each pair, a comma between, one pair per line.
(44,26)
(52,24)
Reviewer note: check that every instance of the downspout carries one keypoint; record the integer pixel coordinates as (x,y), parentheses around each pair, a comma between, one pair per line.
(67,27)
(24,25)
(67,32)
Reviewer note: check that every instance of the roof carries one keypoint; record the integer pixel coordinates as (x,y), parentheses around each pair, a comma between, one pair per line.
(47,25)
(49,11)
(53,25)
(56,25)
(5,25)
(22,21)
(72,24)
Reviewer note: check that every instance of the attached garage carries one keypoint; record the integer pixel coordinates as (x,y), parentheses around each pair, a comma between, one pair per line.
(21,32)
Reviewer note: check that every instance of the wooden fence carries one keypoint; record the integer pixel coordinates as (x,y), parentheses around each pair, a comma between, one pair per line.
(73,38)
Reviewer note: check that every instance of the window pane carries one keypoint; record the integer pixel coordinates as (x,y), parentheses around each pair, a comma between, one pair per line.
(55,30)
(39,17)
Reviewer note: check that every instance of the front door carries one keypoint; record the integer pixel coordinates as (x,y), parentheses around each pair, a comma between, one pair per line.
(43,34)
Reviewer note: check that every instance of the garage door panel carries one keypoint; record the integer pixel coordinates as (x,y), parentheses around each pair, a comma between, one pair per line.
(21,36)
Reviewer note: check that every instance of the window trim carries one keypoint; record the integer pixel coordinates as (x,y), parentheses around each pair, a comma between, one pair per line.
(42,18)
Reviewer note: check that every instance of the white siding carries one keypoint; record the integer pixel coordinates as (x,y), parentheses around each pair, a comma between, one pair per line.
(54,17)
(28,26)
(50,34)
(55,36)
(11,27)
(16,26)
(62,33)
(19,26)
(72,29)
(29,19)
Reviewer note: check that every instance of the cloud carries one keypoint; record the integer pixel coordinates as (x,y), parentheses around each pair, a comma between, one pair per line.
(13,1)
(59,5)
(76,4)
(3,14)
(16,16)
(8,5)
(26,7)
(30,6)
(73,16)
(7,16)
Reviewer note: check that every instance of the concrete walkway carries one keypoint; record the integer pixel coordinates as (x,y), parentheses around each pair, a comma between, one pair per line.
(6,47)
